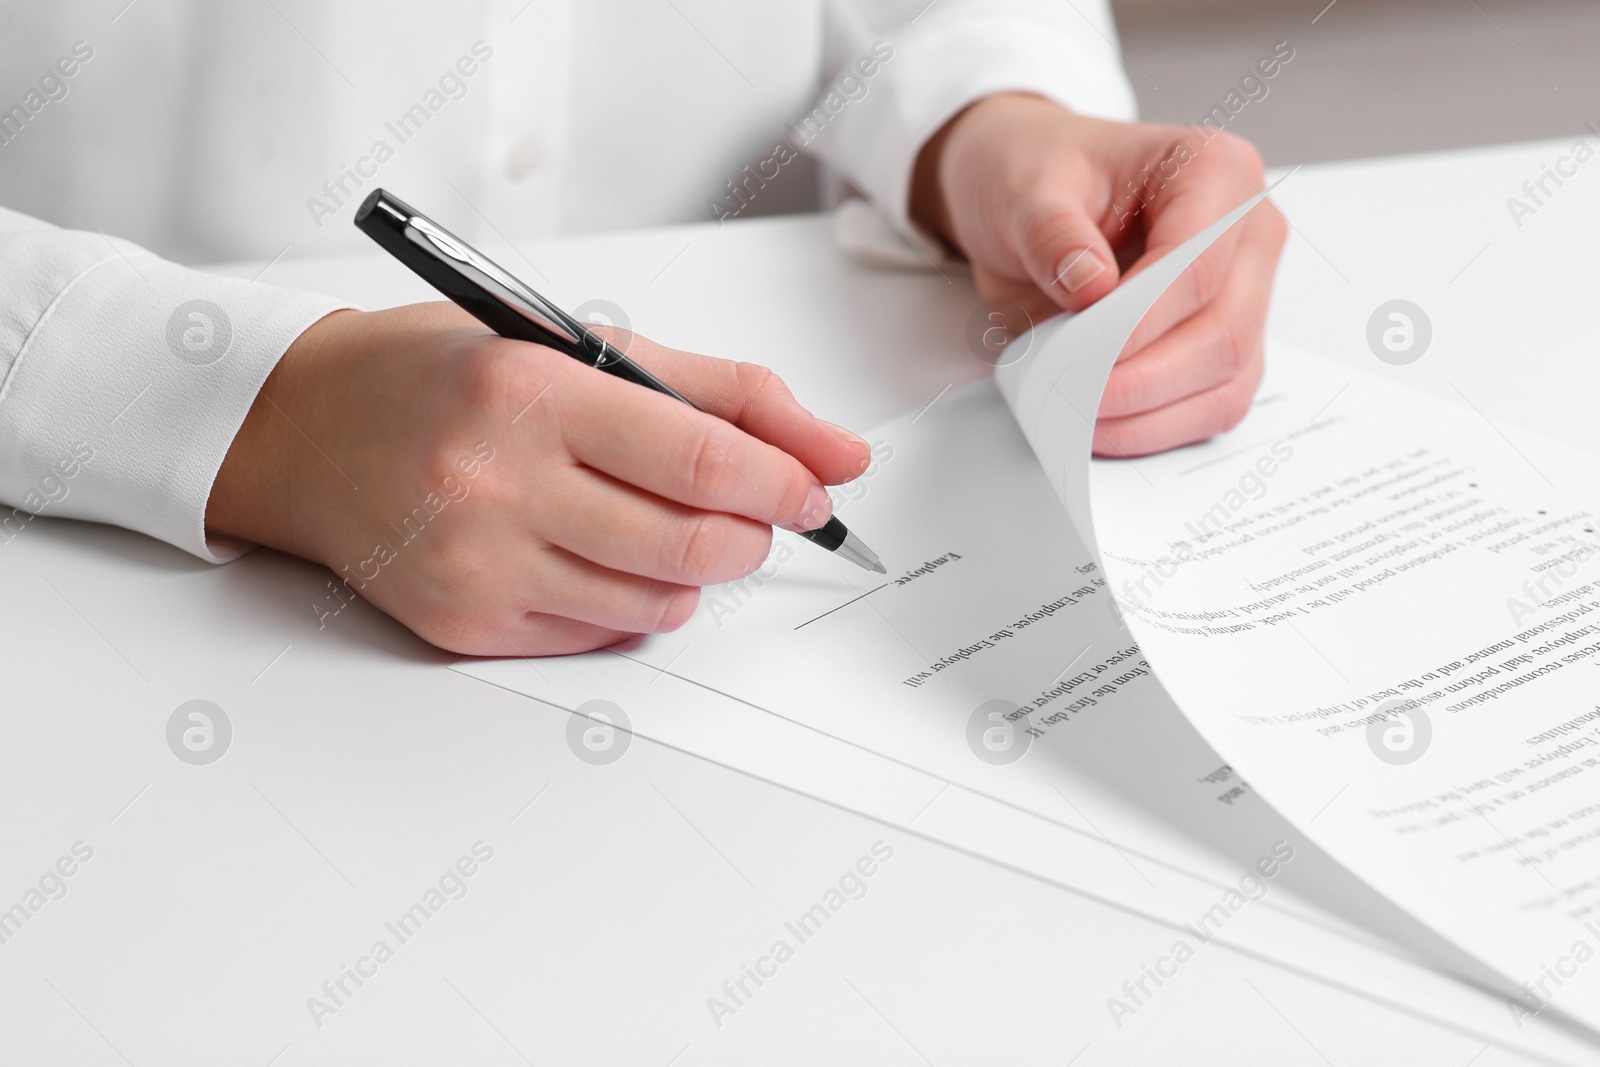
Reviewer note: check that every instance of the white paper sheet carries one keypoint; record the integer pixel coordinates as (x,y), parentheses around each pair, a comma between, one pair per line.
(1384,613)
(878,695)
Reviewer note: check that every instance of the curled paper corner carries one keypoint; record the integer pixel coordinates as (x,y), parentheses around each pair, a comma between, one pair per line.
(1055,390)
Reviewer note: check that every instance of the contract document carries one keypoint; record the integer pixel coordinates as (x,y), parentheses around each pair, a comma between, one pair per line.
(1383,613)
(1322,689)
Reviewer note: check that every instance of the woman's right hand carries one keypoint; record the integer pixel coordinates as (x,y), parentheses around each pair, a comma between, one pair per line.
(502,499)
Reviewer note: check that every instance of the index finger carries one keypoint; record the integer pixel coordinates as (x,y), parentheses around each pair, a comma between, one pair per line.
(668,448)
(757,401)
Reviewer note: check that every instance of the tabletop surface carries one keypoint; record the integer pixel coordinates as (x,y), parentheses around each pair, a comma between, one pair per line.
(212,908)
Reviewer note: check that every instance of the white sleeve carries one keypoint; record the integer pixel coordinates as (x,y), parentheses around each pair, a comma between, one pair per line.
(942,57)
(124,378)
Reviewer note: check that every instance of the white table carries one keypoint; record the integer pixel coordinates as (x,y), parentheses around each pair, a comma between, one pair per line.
(619,898)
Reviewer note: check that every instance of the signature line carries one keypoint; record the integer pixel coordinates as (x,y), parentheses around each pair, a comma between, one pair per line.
(846,604)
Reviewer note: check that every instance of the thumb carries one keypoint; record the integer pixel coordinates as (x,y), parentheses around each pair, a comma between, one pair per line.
(1065,254)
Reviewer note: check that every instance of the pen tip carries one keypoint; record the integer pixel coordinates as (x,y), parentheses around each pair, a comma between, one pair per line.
(853,550)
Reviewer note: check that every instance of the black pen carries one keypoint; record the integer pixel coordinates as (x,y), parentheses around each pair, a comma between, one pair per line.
(501,302)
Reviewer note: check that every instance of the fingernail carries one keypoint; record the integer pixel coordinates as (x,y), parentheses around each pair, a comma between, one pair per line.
(1078,268)
(818,508)
(842,434)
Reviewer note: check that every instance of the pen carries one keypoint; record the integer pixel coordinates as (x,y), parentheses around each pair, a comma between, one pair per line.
(503,303)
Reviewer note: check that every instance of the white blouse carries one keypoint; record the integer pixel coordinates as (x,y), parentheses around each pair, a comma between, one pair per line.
(207,132)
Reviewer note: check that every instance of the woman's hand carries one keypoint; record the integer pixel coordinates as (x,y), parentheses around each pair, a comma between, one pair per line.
(1053,209)
(500,498)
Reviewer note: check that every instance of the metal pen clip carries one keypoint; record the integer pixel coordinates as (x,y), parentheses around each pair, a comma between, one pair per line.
(508,290)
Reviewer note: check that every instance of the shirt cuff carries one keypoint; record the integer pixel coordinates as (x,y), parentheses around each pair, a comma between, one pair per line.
(937,70)
(131,376)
